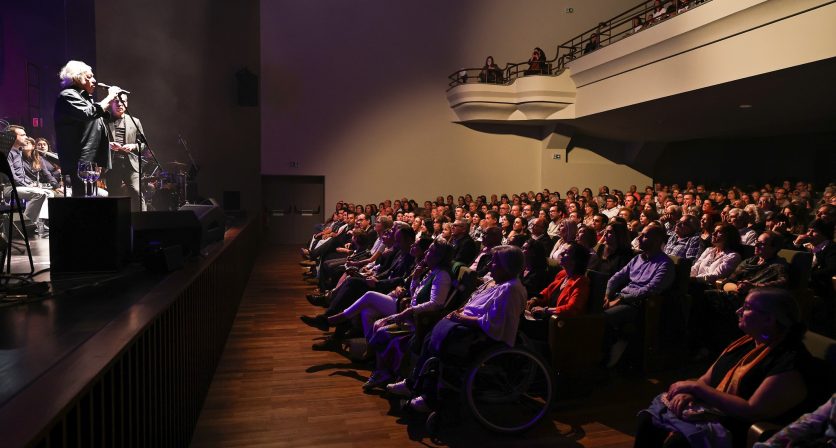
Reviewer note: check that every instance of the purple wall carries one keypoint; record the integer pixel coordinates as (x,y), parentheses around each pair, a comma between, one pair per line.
(36,38)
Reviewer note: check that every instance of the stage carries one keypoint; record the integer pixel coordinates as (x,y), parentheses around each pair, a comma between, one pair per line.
(115,356)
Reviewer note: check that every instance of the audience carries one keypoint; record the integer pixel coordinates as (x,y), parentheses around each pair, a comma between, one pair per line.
(369,283)
(761,375)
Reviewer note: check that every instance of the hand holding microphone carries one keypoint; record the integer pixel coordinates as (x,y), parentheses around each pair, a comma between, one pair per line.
(112,89)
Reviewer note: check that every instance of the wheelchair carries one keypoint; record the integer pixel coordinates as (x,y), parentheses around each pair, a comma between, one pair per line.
(506,389)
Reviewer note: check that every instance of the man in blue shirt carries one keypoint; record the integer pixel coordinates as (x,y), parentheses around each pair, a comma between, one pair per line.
(648,273)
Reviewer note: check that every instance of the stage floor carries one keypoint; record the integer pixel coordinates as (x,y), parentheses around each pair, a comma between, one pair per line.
(45,319)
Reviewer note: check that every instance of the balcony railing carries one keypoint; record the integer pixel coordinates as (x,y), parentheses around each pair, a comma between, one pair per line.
(636,19)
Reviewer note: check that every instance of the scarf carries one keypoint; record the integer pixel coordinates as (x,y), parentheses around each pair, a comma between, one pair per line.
(729,383)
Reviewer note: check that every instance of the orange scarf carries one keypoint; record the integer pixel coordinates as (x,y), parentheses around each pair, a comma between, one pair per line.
(729,383)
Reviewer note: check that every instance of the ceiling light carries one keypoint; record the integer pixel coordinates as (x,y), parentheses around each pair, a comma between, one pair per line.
(745,106)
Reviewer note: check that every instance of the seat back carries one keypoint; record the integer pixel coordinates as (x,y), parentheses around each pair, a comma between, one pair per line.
(597,289)
(799,266)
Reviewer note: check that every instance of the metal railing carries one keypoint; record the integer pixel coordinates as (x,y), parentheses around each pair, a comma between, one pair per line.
(636,19)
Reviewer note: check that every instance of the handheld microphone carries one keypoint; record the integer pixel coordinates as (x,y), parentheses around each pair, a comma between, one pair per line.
(106,86)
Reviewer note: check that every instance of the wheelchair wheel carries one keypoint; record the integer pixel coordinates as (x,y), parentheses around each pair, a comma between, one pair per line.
(508,389)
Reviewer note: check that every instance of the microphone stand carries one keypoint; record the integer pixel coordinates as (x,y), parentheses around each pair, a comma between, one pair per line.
(141,142)
(194,169)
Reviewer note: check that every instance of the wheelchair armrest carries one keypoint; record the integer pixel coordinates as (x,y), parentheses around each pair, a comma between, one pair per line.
(760,432)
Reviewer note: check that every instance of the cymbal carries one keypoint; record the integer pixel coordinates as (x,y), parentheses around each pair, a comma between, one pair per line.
(176,164)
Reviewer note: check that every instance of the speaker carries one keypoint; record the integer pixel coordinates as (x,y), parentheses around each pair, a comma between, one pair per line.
(212,222)
(89,234)
(155,231)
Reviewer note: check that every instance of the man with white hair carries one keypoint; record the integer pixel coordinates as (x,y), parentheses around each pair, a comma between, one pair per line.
(79,128)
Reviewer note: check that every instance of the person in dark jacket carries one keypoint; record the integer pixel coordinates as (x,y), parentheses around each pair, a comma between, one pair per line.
(79,128)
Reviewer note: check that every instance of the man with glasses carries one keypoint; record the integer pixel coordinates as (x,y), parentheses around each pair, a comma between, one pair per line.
(610,209)
(764,270)
(464,247)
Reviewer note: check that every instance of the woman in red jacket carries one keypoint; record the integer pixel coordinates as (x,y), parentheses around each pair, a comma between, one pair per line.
(566,296)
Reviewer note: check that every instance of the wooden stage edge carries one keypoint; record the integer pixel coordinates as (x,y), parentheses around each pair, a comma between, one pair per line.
(141,378)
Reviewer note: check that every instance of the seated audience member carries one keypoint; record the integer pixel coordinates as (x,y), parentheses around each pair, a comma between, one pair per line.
(616,252)
(492,238)
(353,288)
(636,25)
(587,238)
(764,270)
(740,220)
(708,222)
(819,240)
(685,243)
(538,235)
(492,313)
(593,44)
(567,231)
(590,210)
(535,275)
(651,272)
(599,225)
(389,336)
(566,296)
(826,213)
(817,428)
(491,73)
(719,260)
(465,248)
(672,215)
(760,376)
(475,229)
(433,269)
(519,232)
(506,223)
(610,208)
(537,63)
(332,270)
(555,217)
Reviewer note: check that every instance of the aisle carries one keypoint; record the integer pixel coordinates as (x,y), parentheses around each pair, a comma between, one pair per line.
(272,390)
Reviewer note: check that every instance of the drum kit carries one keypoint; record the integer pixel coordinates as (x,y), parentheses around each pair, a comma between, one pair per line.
(167,187)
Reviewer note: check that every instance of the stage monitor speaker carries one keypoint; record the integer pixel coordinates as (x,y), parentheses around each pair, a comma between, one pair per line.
(212,222)
(89,234)
(156,231)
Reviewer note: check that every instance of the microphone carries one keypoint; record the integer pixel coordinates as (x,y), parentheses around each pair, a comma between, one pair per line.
(106,86)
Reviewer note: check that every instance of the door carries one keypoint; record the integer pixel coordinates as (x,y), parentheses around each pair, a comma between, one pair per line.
(294,207)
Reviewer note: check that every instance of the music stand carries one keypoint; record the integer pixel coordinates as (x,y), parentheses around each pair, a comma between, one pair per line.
(7,139)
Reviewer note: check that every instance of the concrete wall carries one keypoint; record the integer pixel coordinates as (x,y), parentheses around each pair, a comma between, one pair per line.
(179,60)
(355,91)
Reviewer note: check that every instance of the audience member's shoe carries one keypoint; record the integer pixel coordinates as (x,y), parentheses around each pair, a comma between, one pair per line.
(328,344)
(336,319)
(317,300)
(400,389)
(616,352)
(319,322)
(419,404)
(378,378)
(307,263)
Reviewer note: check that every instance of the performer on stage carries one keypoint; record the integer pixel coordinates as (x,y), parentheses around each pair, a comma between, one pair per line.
(26,189)
(125,153)
(79,128)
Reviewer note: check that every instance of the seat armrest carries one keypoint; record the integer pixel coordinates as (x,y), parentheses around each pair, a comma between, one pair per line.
(760,432)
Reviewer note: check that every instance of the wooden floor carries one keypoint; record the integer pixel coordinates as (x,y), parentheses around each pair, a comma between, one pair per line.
(272,390)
